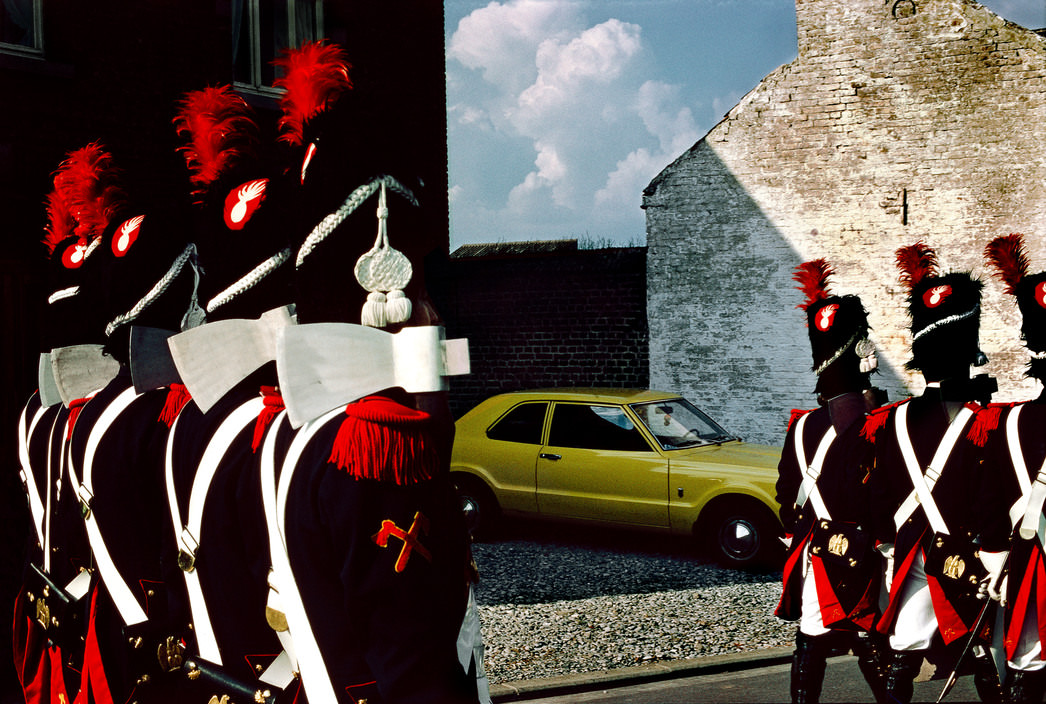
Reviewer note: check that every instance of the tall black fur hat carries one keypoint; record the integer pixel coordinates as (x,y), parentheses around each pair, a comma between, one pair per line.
(85,197)
(1008,256)
(342,150)
(240,206)
(838,328)
(150,271)
(945,311)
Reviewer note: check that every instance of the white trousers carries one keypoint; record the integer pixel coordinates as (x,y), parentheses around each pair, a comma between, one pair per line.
(810,621)
(915,623)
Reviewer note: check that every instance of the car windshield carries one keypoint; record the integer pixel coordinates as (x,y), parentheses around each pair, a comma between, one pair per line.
(678,423)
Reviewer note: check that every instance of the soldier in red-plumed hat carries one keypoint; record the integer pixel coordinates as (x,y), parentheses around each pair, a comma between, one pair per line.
(933,506)
(832,575)
(1016,455)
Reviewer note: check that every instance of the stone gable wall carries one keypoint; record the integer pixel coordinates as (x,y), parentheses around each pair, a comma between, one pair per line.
(897,122)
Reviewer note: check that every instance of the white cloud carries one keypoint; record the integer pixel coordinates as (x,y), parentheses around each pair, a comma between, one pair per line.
(500,40)
(581,98)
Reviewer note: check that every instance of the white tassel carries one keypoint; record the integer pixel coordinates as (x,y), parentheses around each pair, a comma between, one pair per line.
(397,307)
(866,351)
(373,314)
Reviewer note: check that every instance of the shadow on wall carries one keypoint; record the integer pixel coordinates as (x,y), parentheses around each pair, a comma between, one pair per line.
(725,329)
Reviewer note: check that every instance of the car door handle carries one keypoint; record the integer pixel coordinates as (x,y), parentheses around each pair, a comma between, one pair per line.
(550,456)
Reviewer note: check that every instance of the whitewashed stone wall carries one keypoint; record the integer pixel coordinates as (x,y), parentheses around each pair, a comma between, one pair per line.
(899,120)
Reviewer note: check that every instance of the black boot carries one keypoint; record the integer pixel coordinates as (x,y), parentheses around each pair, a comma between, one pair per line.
(808,663)
(986,677)
(870,660)
(1027,687)
(900,674)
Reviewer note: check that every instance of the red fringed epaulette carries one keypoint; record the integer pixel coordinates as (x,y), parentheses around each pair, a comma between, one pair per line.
(796,414)
(387,441)
(177,397)
(876,419)
(985,421)
(273,404)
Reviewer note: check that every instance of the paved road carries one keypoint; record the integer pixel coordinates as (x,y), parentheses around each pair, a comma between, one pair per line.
(759,685)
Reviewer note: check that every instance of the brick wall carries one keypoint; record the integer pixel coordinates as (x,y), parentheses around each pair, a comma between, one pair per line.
(540,320)
(898,121)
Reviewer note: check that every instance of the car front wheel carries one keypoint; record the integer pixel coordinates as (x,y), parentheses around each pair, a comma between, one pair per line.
(742,537)
(478,504)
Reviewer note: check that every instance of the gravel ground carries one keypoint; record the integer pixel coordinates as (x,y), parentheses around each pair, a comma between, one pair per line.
(558,600)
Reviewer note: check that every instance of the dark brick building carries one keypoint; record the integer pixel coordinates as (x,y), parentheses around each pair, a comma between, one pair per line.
(541,314)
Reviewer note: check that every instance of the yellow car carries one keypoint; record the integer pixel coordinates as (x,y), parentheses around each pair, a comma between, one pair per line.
(645,459)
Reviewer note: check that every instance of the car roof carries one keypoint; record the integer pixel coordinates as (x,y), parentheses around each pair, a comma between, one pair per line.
(604,395)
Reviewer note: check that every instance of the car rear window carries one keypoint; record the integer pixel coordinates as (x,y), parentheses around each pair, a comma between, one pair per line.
(522,424)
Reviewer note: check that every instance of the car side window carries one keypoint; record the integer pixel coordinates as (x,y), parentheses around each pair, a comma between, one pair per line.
(522,424)
(594,428)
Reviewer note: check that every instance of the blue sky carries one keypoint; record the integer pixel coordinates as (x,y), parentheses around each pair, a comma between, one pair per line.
(561,111)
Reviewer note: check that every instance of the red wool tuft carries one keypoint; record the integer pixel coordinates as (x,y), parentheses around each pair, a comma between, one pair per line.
(87,184)
(220,132)
(916,262)
(385,441)
(812,278)
(273,404)
(1010,259)
(875,420)
(985,421)
(314,76)
(797,413)
(177,397)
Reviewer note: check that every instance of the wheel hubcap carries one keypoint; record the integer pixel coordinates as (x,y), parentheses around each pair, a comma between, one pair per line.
(471,510)
(739,539)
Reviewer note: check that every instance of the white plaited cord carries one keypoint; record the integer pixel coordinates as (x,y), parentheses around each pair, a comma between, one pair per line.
(328,224)
(946,321)
(250,280)
(156,291)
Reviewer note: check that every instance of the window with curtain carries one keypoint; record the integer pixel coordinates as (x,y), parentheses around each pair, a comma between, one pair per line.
(261,29)
(20,26)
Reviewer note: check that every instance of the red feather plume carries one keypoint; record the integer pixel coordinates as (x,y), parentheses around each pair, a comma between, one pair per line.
(1008,256)
(60,222)
(916,262)
(812,278)
(87,184)
(220,132)
(314,76)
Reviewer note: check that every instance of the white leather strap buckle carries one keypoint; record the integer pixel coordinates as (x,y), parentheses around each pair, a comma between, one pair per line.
(86,497)
(187,547)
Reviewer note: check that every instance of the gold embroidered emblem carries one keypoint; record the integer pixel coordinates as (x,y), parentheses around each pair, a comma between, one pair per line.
(170,654)
(954,566)
(838,544)
(215,700)
(43,613)
(409,538)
